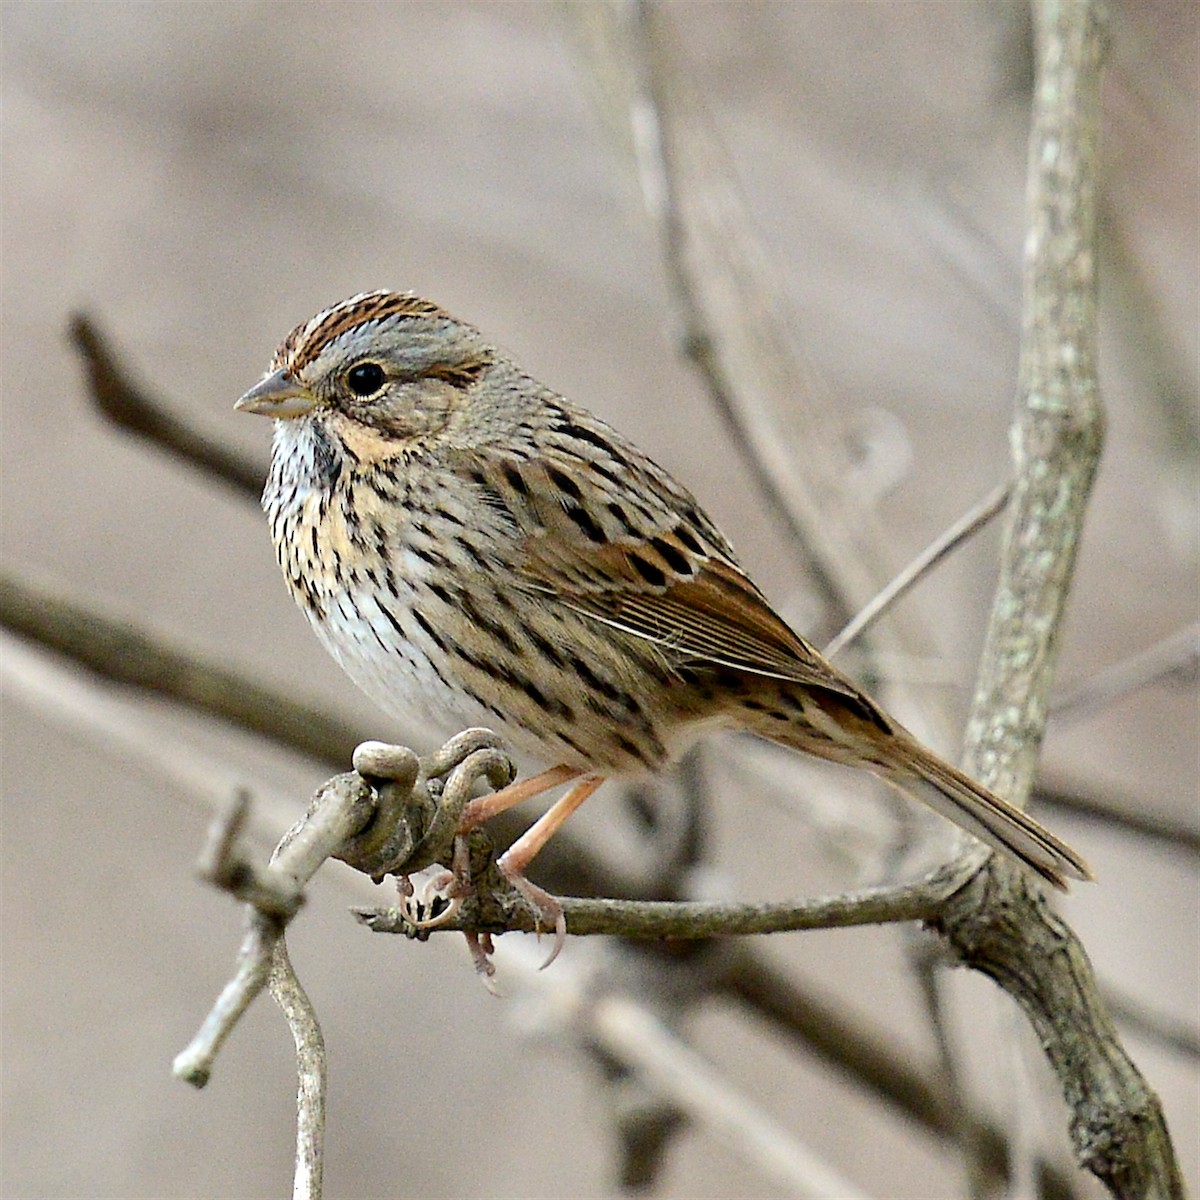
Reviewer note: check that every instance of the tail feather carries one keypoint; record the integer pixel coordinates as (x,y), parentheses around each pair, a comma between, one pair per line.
(846,727)
(1002,826)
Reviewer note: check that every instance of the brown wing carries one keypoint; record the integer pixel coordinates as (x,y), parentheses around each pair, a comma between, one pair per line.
(717,616)
(612,536)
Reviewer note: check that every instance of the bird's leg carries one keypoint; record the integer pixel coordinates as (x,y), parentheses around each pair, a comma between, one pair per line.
(513,862)
(452,886)
(521,853)
(483,808)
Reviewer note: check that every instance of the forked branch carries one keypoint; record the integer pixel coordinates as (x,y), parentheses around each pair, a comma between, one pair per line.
(998,923)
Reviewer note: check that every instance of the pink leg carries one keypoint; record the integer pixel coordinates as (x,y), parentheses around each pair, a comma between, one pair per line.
(457,883)
(483,808)
(522,852)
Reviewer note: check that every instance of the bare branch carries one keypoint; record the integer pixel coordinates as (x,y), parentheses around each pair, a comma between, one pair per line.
(1000,923)
(194,1063)
(121,401)
(1176,653)
(292,999)
(694,919)
(223,864)
(121,651)
(975,519)
(338,811)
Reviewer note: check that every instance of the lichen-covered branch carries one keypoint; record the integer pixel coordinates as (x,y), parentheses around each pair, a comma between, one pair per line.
(999,923)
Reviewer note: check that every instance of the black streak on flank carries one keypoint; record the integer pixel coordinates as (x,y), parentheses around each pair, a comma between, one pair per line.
(473,553)
(629,747)
(432,557)
(431,633)
(672,556)
(392,620)
(653,575)
(564,483)
(587,524)
(568,740)
(546,648)
(516,480)
(448,598)
(493,628)
(450,518)
(605,687)
(545,703)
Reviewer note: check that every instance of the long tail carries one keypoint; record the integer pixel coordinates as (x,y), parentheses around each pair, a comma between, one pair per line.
(971,806)
(845,726)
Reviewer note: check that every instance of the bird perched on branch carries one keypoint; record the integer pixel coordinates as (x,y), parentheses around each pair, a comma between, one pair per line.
(473,547)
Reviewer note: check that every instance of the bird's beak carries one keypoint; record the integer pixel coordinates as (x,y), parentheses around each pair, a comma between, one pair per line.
(279,395)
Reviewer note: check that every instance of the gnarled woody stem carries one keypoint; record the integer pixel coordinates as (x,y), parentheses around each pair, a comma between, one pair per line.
(999,923)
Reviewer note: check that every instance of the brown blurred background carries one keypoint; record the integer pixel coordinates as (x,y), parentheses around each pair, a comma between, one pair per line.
(200,177)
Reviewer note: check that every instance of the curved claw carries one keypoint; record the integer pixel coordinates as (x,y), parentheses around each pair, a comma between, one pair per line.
(547,908)
(415,906)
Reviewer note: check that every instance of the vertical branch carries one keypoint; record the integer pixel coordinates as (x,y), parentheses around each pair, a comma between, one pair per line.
(287,992)
(1059,426)
(1000,923)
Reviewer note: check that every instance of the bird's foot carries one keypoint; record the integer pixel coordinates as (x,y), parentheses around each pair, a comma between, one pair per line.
(482,948)
(547,909)
(436,903)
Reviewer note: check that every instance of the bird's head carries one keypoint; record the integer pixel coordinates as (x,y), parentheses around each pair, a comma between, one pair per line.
(380,366)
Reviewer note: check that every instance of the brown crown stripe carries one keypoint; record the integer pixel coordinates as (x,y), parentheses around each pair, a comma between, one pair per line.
(306,341)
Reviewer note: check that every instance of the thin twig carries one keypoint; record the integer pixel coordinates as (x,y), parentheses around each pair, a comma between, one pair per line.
(136,411)
(695,919)
(336,814)
(293,1001)
(223,864)
(1175,653)
(975,519)
(1055,792)
(194,1063)
(128,654)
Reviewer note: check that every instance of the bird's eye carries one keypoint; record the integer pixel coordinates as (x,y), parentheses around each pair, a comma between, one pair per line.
(365,379)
